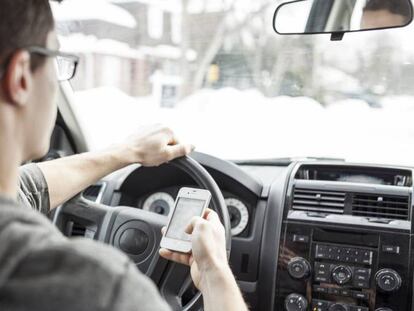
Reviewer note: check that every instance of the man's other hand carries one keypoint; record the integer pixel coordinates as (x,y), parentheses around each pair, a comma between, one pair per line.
(209,254)
(154,145)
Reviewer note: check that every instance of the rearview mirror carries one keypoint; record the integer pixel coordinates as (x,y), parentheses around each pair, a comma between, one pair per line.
(340,16)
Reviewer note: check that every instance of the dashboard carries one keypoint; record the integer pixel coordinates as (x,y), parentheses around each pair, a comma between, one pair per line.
(162,185)
(311,235)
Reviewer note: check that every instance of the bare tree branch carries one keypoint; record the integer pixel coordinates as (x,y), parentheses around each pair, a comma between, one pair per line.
(222,32)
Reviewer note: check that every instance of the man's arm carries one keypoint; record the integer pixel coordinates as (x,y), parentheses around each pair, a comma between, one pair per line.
(221,292)
(152,146)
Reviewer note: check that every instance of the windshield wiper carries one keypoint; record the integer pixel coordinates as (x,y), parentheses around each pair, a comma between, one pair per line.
(284,161)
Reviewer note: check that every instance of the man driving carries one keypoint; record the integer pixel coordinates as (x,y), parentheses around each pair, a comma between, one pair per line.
(40,269)
(385,13)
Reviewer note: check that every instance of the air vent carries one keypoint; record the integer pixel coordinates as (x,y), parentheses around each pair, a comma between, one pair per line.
(318,200)
(78,230)
(93,193)
(381,206)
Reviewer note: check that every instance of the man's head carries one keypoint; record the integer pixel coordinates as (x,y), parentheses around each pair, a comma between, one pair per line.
(28,84)
(385,13)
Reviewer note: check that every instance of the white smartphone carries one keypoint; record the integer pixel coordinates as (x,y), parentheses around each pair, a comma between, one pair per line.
(190,202)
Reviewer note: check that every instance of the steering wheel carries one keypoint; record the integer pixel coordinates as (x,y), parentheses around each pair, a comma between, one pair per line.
(138,233)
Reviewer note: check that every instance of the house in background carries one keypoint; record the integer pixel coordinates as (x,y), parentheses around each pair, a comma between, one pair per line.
(145,60)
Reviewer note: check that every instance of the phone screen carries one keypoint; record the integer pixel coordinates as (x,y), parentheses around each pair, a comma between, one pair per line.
(185,210)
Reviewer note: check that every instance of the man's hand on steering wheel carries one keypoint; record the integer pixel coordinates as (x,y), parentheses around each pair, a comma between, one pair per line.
(154,145)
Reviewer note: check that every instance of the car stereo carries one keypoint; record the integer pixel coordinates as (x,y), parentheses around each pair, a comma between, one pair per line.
(329,268)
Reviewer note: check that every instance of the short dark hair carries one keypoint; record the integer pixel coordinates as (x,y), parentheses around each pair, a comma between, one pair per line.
(401,7)
(24,23)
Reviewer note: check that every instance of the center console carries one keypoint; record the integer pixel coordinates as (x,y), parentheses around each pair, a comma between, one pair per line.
(345,245)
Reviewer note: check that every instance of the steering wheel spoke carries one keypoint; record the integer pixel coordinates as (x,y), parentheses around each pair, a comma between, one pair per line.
(177,286)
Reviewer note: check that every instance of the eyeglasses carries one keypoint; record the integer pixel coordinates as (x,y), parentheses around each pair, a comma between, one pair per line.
(66,64)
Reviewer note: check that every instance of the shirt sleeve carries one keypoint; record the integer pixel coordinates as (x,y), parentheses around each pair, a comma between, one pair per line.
(43,271)
(136,292)
(34,191)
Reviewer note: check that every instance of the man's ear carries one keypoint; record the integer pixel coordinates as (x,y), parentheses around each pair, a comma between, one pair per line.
(18,79)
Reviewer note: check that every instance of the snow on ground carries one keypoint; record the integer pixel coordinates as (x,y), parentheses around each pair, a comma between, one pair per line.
(236,124)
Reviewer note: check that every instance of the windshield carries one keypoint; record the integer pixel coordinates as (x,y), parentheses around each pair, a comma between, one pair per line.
(217,74)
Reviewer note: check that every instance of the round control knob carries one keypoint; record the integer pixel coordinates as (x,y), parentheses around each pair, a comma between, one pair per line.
(338,307)
(296,302)
(388,280)
(341,274)
(299,268)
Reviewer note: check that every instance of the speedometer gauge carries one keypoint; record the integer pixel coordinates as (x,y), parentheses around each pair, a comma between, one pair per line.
(239,215)
(160,202)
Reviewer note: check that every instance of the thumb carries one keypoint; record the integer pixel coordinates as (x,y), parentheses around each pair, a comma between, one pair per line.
(180,150)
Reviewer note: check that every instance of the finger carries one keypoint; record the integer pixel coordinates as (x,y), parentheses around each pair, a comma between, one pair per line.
(174,140)
(194,222)
(174,256)
(191,260)
(177,151)
(207,212)
(190,227)
(163,230)
(213,217)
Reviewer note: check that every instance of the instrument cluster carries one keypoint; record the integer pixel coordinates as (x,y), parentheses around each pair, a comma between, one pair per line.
(162,202)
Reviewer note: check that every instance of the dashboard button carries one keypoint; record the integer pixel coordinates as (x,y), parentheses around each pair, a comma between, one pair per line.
(360,295)
(391,249)
(361,277)
(361,284)
(300,238)
(321,251)
(345,292)
(296,302)
(320,289)
(321,279)
(299,268)
(362,271)
(321,266)
(367,261)
(322,273)
(388,280)
(341,274)
(332,250)
(333,291)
